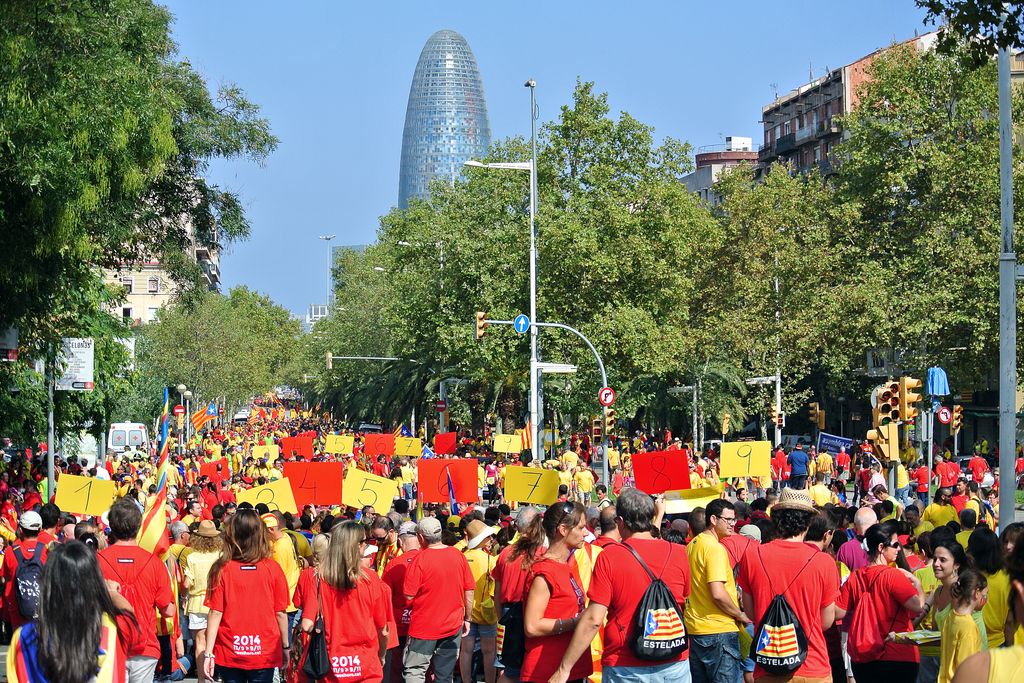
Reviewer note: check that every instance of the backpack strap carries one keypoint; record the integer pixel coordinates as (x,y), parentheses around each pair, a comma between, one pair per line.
(791,581)
(644,564)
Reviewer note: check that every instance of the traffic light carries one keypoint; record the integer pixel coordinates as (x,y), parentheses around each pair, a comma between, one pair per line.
(817,415)
(595,431)
(481,325)
(909,398)
(886,439)
(778,419)
(609,421)
(330,361)
(958,418)
(888,403)
(726,423)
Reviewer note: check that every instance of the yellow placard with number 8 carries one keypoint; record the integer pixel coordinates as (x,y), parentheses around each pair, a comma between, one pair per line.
(362,488)
(277,495)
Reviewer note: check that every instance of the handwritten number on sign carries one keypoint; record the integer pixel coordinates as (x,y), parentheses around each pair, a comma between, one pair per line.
(302,484)
(442,481)
(368,488)
(536,482)
(744,453)
(661,479)
(267,496)
(88,494)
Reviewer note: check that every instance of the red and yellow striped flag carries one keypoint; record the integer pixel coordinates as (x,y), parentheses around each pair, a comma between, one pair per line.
(153,532)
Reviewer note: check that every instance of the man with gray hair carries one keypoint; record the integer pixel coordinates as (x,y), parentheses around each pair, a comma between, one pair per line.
(439,587)
(510,581)
(616,588)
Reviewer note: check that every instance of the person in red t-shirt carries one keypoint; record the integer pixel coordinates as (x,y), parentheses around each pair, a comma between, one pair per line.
(921,476)
(616,588)
(809,578)
(354,606)
(843,464)
(143,580)
(607,526)
(978,467)
(248,637)
(27,546)
(896,596)
(394,578)
(555,598)
(439,584)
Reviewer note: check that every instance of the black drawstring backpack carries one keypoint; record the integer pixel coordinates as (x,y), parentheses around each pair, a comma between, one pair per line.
(780,644)
(658,631)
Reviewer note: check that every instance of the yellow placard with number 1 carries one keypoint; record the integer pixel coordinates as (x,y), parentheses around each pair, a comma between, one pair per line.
(84,495)
(277,495)
(531,485)
(362,488)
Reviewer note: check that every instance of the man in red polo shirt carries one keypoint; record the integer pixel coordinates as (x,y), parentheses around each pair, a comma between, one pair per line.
(143,581)
(977,467)
(439,585)
(921,476)
(616,588)
(394,577)
(27,545)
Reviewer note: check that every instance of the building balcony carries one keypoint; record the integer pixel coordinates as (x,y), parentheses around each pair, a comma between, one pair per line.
(766,154)
(805,133)
(785,144)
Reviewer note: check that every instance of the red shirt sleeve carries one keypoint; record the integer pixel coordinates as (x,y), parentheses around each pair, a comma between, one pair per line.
(600,590)
(899,586)
(413,577)
(162,595)
(279,585)
(847,591)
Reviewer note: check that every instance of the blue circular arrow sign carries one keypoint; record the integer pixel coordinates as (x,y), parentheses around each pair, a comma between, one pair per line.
(521,323)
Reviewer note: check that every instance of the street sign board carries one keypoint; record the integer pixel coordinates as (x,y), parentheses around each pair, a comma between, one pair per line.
(441,405)
(606,396)
(78,358)
(521,323)
(179,409)
(945,415)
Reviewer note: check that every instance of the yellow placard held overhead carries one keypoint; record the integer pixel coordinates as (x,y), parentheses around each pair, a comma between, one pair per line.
(268,452)
(362,488)
(531,485)
(409,447)
(277,495)
(686,500)
(84,495)
(746,459)
(343,444)
(508,443)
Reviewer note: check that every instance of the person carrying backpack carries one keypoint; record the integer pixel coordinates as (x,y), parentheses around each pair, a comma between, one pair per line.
(641,586)
(23,570)
(789,591)
(880,600)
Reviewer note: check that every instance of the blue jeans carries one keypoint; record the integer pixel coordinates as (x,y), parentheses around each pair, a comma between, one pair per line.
(675,672)
(229,674)
(715,658)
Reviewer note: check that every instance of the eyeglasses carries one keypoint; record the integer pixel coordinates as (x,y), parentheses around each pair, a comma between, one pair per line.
(379,538)
(727,520)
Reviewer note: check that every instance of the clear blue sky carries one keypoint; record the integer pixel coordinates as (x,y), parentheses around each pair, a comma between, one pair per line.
(333,78)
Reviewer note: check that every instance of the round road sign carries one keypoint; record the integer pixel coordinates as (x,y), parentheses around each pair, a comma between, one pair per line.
(944,415)
(441,406)
(606,396)
(179,409)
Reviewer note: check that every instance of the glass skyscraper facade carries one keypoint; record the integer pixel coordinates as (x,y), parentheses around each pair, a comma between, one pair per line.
(446,119)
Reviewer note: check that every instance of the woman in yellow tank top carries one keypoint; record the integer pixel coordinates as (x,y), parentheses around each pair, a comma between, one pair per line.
(1006,664)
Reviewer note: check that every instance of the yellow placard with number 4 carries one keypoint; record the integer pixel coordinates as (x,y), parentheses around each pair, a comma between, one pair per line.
(531,485)
(362,488)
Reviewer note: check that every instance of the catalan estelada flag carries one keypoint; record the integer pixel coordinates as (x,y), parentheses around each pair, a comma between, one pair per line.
(204,415)
(528,437)
(663,624)
(153,532)
(23,658)
(778,641)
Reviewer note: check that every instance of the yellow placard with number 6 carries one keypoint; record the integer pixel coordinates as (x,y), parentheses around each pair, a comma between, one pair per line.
(531,485)
(84,495)
(362,488)
(277,495)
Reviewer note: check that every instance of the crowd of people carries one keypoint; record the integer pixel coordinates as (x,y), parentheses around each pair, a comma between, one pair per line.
(815,573)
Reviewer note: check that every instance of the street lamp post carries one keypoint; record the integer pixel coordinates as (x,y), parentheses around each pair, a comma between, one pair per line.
(181,389)
(330,265)
(777,380)
(188,414)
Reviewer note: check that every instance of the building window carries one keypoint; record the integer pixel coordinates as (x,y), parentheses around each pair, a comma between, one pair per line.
(152,314)
(126,314)
(154,285)
(128,283)
(817,154)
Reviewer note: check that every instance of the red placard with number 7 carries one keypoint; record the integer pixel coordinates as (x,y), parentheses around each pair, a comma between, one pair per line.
(432,477)
(661,471)
(315,483)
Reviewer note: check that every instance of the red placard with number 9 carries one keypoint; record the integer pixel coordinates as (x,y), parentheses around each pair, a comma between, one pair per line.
(432,476)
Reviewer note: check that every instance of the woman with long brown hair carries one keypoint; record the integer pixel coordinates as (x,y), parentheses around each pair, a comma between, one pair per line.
(247,634)
(555,597)
(352,600)
(206,545)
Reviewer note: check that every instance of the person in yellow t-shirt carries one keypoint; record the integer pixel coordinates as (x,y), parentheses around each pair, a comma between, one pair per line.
(484,618)
(961,637)
(820,493)
(584,479)
(713,616)
(825,465)
(941,511)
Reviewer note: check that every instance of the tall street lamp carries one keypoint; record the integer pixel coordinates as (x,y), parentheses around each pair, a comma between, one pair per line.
(181,389)
(330,266)
(531,167)
(188,413)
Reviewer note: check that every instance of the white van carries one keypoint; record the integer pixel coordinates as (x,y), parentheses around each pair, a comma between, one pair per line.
(125,436)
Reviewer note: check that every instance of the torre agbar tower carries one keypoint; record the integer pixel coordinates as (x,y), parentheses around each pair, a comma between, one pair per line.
(446,119)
